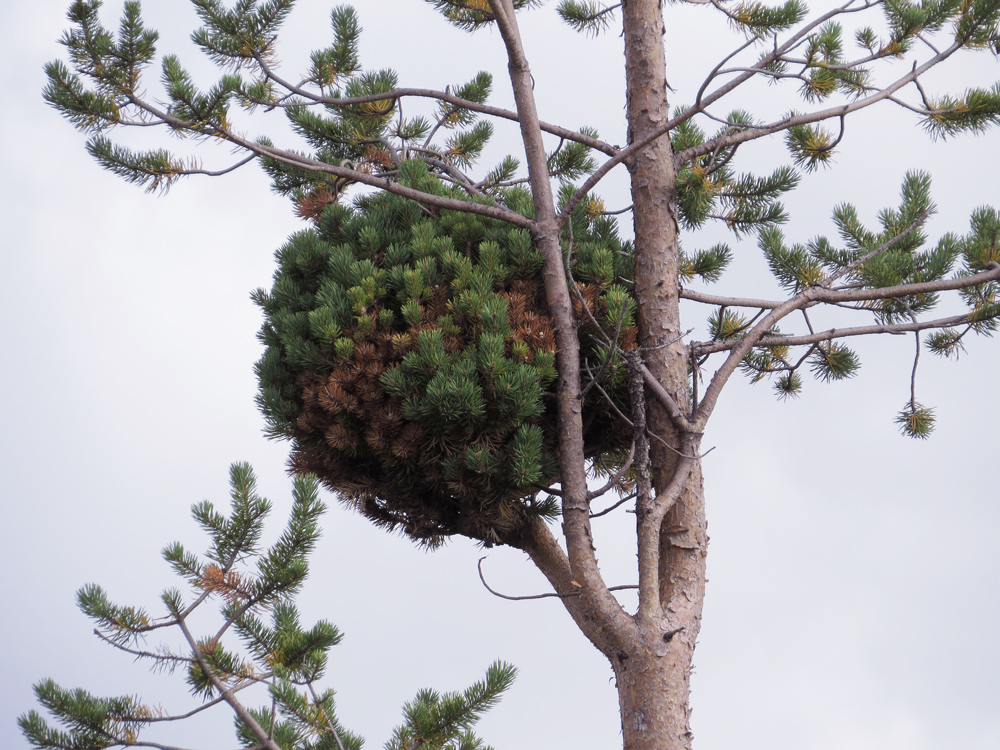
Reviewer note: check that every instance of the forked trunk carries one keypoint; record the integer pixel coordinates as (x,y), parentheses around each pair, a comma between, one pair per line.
(653,668)
(651,652)
(654,678)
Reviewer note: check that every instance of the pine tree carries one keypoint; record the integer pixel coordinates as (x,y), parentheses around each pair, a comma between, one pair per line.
(280,662)
(431,345)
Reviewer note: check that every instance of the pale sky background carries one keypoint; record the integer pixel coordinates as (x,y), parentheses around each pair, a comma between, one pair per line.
(853,573)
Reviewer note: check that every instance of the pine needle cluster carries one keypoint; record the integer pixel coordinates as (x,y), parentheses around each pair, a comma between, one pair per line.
(409,353)
(891,256)
(708,188)
(255,589)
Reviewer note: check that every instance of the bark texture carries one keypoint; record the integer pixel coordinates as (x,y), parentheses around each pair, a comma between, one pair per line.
(651,651)
(654,679)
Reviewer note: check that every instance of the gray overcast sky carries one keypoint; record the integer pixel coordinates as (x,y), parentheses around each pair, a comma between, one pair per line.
(852,600)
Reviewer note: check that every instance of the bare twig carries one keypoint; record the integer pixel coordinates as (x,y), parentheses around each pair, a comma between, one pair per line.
(837,333)
(621,502)
(142,654)
(538,596)
(615,480)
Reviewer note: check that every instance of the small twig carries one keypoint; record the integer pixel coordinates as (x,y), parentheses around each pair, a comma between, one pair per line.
(715,71)
(805,315)
(923,95)
(843,127)
(612,345)
(141,654)
(913,373)
(653,435)
(876,252)
(550,490)
(669,635)
(916,360)
(220,172)
(616,479)
(665,344)
(604,512)
(620,211)
(680,453)
(553,594)
(329,723)
(924,39)
(554,154)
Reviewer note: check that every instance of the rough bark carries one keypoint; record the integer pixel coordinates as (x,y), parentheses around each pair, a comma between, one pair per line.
(653,678)
(594,608)
(650,652)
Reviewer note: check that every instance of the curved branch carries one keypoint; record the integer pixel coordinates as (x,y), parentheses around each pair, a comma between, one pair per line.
(444,96)
(717,70)
(301,161)
(840,333)
(630,496)
(547,595)
(913,372)
(841,111)
(220,172)
(743,346)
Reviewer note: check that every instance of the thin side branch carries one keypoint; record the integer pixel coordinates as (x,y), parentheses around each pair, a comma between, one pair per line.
(742,346)
(838,333)
(548,595)
(621,502)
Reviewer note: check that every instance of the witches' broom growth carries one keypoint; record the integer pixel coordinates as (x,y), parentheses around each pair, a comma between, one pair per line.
(260,652)
(410,359)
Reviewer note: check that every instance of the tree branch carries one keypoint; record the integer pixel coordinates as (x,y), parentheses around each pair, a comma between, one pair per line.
(841,111)
(312,165)
(573,477)
(838,333)
(814,294)
(607,510)
(547,595)
(228,694)
(444,96)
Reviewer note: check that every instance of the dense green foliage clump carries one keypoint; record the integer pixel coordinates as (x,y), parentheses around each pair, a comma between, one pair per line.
(409,353)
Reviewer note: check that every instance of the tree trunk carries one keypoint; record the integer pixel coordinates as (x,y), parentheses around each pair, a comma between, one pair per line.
(654,675)
(650,652)
(652,694)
